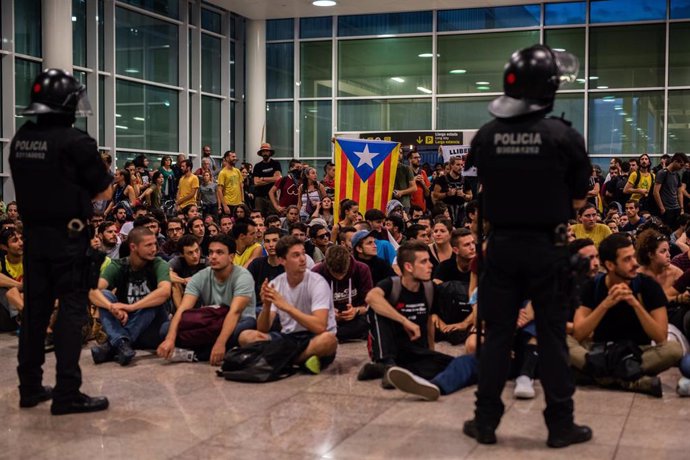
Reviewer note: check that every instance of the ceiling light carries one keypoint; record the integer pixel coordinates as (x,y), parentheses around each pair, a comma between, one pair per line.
(139,119)
(427,55)
(482,83)
(424,90)
(594,77)
(628,119)
(580,80)
(323,3)
(398,79)
(483,88)
(602,87)
(131,70)
(458,71)
(74,19)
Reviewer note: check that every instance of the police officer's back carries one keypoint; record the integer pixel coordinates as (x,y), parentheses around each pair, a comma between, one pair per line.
(543,164)
(57,171)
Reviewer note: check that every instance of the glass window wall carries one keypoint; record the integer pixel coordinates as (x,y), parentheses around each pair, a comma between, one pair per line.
(315,129)
(315,69)
(280,128)
(473,63)
(384,115)
(385,67)
(146,48)
(146,117)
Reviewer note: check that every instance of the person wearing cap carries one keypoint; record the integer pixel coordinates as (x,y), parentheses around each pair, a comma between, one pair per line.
(364,250)
(266,172)
(56,264)
(527,255)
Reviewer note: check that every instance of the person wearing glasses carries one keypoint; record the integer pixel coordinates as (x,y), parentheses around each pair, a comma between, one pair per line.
(624,304)
(174,232)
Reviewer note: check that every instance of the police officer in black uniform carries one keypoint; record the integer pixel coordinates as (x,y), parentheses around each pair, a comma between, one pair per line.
(526,255)
(57,171)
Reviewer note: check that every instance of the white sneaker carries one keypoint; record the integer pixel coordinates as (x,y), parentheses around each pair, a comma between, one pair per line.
(406,381)
(182,355)
(683,388)
(524,388)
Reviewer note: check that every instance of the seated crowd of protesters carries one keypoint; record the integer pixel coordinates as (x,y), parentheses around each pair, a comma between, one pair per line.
(200,262)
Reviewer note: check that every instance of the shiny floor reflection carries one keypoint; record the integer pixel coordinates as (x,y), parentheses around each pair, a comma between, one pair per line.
(183,410)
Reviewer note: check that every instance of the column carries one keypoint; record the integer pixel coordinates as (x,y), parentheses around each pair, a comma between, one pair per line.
(255,130)
(57,34)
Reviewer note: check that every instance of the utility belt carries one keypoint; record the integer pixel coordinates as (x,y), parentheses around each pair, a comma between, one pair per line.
(77,228)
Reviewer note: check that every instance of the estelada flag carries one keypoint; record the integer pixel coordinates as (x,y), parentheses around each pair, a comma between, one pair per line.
(365,172)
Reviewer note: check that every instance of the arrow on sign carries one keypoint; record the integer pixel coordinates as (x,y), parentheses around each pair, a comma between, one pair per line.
(420,139)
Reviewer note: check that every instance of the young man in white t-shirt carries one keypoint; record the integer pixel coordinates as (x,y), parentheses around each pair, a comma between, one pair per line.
(303,301)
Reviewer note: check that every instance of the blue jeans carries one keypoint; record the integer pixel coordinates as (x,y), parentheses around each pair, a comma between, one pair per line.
(460,373)
(137,322)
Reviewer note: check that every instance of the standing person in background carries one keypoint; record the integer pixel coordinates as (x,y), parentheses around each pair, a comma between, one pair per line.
(423,191)
(188,186)
(208,193)
(668,190)
(230,180)
(329,179)
(310,193)
(404,186)
(266,173)
(169,180)
(153,196)
(206,154)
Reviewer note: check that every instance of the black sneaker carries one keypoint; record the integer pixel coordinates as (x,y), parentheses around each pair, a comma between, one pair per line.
(574,435)
(482,435)
(102,353)
(645,385)
(33,400)
(81,404)
(125,352)
(372,371)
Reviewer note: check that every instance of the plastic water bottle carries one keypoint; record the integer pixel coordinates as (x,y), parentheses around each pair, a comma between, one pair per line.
(182,355)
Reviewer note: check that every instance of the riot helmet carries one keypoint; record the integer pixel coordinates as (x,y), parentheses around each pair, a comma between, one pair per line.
(57,92)
(530,81)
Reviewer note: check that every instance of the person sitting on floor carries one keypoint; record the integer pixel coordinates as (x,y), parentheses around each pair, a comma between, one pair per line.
(302,300)
(142,288)
(350,283)
(624,306)
(222,283)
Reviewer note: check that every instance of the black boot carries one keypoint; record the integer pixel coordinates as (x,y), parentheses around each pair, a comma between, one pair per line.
(573,435)
(34,399)
(81,404)
(483,435)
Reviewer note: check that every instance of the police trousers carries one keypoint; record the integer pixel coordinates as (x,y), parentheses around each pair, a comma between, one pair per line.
(54,269)
(524,265)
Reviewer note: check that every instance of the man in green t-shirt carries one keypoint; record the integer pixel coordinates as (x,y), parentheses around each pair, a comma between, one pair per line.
(141,285)
(404,185)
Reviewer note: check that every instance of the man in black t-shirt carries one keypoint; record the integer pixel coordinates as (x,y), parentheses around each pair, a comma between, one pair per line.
(184,266)
(266,173)
(453,191)
(401,332)
(267,267)
(624,305)
(452,276)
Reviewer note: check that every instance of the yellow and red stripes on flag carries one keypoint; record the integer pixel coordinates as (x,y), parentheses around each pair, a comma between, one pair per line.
(374,193)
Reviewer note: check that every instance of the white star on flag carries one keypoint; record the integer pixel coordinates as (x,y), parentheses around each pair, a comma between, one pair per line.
(365,157)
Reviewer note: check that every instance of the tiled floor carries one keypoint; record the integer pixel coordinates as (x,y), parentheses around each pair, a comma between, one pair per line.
(184,411)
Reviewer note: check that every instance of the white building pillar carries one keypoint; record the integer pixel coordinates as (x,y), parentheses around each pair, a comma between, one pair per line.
(255,130)
(57,34)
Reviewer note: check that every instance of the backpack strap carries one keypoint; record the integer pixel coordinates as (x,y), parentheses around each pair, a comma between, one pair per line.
(395,291)
(429,293)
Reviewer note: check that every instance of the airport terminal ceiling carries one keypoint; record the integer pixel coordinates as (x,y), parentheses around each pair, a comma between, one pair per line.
(274,9)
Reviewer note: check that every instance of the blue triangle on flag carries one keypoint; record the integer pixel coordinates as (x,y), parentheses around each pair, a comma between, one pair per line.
(366,156)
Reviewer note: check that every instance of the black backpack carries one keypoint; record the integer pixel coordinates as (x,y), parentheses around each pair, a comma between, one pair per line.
(265,361)
(453,301)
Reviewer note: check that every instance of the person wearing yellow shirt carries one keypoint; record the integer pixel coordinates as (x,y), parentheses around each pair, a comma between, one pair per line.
(188,186)
(244,232)
(230,184)
(640,182)
(588,226)
(11,275)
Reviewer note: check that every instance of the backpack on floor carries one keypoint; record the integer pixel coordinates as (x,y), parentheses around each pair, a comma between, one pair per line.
(265,361)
